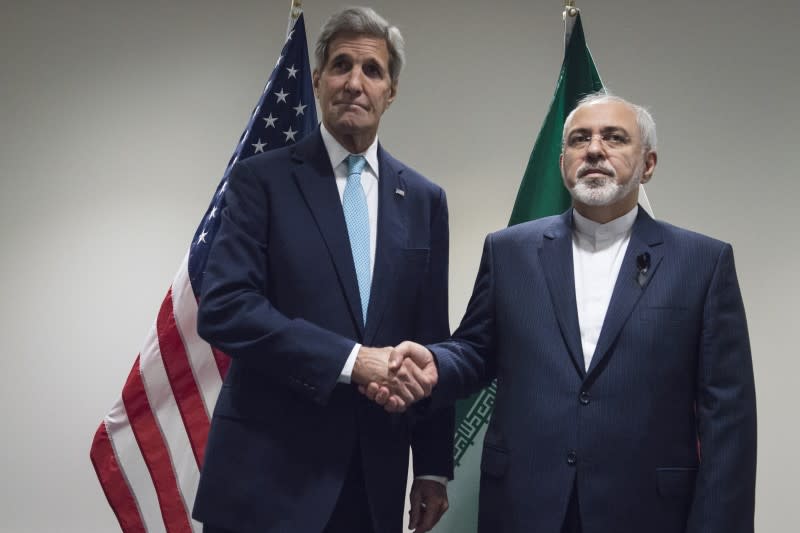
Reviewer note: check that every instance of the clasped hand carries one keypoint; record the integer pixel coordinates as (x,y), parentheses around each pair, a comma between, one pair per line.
(395,377)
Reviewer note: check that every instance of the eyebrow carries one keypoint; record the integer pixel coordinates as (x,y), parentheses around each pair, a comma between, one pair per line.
(615,129)
(605,129)
(340,55)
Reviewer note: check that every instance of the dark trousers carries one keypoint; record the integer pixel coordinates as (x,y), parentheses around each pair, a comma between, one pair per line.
(351,513)
(572,520)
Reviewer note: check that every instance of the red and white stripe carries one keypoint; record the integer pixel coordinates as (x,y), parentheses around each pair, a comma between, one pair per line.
(148,450)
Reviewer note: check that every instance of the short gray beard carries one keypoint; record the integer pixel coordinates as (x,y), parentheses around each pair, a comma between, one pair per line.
(604,191)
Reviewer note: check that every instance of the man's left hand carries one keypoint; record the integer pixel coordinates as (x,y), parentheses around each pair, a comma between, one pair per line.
(428,504)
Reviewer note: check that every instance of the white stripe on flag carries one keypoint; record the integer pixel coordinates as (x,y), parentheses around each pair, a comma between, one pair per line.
(170,422)
(132,466)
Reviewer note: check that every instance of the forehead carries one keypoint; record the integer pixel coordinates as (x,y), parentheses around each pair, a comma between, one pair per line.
(605,115)
(363,47)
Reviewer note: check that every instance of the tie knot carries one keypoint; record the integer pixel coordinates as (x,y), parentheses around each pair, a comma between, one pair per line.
(355,164)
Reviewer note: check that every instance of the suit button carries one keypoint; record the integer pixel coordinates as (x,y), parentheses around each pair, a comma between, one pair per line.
(584,398)
(572,458)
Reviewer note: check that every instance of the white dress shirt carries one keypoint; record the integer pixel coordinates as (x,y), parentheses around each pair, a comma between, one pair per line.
(369,182)
(597,253)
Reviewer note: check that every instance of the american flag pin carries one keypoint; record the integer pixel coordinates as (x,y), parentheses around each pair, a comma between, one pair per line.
(400,192)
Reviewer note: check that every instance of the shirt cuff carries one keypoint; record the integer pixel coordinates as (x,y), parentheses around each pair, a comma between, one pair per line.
(438,479)
(347,371)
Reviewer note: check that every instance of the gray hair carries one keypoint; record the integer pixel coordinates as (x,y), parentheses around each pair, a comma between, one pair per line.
(362,21)
(647,126)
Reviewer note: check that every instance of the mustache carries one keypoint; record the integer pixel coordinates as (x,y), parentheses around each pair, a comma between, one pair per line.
(587,168)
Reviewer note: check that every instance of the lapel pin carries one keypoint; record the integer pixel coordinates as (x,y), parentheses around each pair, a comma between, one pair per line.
(400,192)
(642,265)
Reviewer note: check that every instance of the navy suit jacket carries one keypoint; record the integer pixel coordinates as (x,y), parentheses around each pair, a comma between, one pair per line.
(659,435)
(280,296)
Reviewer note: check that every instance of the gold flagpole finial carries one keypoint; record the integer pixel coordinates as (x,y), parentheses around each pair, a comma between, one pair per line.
(297,9)
(569,9)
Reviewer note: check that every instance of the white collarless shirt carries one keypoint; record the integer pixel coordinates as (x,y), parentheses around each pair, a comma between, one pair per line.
(597,253)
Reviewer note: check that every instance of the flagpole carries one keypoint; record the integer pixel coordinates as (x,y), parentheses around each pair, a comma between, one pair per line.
(569,9)
(568,16)
(297,8)
(295,11)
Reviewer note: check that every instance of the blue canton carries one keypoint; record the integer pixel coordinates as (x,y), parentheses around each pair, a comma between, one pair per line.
(284,114)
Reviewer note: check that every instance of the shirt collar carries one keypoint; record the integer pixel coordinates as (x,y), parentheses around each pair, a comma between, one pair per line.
(608,231)
(337,153)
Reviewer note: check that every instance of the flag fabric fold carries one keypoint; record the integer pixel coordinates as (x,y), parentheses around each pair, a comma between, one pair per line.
(541,193)
(148,450)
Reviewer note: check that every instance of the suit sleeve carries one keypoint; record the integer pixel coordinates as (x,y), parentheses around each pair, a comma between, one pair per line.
(466,361)
(433,432)
(726,411)
(235,314)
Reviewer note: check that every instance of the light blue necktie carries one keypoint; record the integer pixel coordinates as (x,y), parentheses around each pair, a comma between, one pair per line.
(356,215)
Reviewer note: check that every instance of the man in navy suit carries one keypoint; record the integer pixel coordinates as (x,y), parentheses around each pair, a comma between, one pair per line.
(625,396)
(327,248)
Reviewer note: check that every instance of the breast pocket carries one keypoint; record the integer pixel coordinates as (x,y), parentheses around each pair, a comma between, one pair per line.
(669,328)
(664,317)
(411,270)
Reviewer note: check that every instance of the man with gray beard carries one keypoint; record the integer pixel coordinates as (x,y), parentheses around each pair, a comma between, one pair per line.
(625,396)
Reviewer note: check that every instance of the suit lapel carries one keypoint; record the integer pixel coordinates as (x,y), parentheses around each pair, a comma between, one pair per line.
(391,240)
(645,238)
(555,256)
(316,181)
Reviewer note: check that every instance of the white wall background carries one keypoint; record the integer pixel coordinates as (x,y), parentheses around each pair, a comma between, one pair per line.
(117,118)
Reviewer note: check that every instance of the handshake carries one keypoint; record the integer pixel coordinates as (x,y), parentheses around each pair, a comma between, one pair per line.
(395,377)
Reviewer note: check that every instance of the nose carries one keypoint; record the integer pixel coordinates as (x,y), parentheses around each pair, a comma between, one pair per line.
(353,82)
(596,149)
(596,144)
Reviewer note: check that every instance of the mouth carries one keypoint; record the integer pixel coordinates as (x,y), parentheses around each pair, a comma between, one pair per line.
(350,106)
(595,172)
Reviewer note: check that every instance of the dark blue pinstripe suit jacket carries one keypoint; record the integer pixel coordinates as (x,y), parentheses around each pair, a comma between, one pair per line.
(672,369)
(281,298)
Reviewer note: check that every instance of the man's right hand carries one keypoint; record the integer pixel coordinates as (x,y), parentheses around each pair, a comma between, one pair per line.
(412,375)
(371,366)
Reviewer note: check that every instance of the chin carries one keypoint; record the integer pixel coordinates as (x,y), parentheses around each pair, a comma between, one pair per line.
(597,196)
(604,194)
(351,120)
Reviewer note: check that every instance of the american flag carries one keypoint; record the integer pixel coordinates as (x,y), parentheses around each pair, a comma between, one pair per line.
(148,450)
